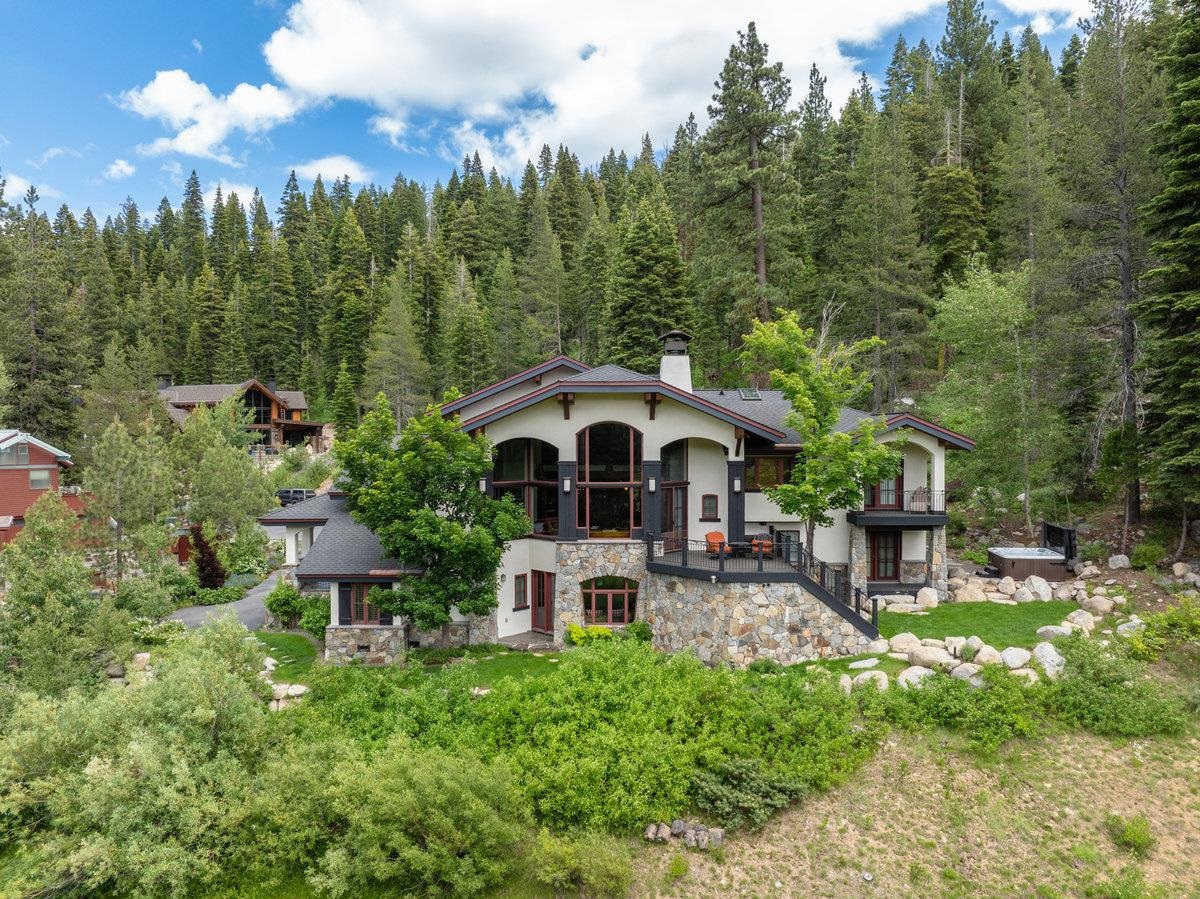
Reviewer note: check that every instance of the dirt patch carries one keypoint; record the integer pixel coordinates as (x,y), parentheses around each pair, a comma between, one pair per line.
(925,819)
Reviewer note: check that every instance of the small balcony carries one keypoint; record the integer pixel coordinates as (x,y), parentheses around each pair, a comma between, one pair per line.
(889,506)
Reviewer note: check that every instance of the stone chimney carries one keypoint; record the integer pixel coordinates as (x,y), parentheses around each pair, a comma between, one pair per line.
(676,366)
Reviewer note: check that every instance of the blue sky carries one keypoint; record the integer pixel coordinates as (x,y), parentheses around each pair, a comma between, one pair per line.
(105,100)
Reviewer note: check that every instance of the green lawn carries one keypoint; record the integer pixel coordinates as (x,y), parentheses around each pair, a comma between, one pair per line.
(995,624)
(485,670)
(294,653)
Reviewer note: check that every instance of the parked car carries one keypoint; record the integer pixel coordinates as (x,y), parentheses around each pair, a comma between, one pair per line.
(289,495)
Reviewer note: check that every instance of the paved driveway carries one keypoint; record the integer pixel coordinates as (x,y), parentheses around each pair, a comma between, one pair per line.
(250,609)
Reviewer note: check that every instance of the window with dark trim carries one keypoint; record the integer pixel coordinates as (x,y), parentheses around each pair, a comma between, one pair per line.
(609,600)
(527,470)
(520,592)
(610,479)
(361,611)
(260,404)
(709,509)
(768,471)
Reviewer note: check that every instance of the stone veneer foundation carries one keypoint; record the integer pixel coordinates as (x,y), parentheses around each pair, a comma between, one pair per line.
(374,644)
(723,622)
(738,623)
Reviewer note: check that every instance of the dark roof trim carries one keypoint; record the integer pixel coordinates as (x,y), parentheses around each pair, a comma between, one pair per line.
(908,420)
(655,386)
(361,576)
(274,522)
(492,389)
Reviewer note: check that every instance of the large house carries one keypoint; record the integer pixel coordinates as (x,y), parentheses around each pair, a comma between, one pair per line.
(29,469)
(278,420)
(646,497)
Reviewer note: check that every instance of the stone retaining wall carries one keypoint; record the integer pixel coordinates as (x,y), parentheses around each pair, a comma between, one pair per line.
(585,560)
(738,623)
(374,644)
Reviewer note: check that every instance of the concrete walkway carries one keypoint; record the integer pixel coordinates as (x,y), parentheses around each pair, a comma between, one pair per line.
(249,609)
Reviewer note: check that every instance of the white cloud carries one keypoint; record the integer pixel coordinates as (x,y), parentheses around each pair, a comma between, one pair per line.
(16,186)
(1049,15)
(197,46)
(245,192)
(389,126)
(330,167)
(50,153)
(202,120)
(118,169)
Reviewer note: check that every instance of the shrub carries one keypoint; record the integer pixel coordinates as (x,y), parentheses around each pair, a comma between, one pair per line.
(144,598)
(577,635)
(1105,690)
(639,630)
(738,793)
(242,581)
(765,666)
(420,821)
(956,524)
(1129,883)
(1175,627)
(1133,834)
(1006,708)
(285,603)
(1093,551)
(978,556)
(315,617)
(158,633)
(213,596)
(209,570)
(677,869)
(246,553)
(1147,554)
(585,863)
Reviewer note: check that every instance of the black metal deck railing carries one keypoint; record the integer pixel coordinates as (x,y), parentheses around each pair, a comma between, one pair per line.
(779,556)
(919,501)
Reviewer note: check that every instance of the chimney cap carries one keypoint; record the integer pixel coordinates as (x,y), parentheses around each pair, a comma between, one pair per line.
(675,342)
(675,334)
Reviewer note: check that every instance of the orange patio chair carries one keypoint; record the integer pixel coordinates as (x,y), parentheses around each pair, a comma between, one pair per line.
(714,539)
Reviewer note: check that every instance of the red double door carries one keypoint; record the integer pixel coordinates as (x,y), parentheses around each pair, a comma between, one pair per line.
(543,601)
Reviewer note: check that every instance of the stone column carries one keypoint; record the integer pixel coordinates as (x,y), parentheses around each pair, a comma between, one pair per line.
(567,501)
(651,502)
(737,500)
(857,567)
(935,559)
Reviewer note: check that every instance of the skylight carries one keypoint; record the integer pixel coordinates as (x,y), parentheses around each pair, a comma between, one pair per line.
(749,393)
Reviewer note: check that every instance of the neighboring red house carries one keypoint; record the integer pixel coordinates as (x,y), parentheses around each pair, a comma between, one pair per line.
(29,468)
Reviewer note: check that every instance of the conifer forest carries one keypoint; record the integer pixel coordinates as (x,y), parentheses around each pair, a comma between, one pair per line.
(1020,231)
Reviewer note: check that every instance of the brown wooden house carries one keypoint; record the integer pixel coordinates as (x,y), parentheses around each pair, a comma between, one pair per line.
(279,415)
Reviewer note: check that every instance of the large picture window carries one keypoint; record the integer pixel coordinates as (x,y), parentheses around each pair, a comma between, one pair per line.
(260,405)
(527,470)
(609,600)
(610,480)
(768,471)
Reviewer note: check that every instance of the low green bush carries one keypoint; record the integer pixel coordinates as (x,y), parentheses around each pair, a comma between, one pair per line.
(246,553)
(978,556)
(419,822)
(1104,690)
(956,525)
(578,635)
(1173,628)
(1128,883)
(765,666)
(293,609)
(586,863)
(315,616)
(1093,551)
(144,598)
(1006,708)
(1147,554)
(213,596)
(739,793)
(1133,834)
(639,630)
(158,633)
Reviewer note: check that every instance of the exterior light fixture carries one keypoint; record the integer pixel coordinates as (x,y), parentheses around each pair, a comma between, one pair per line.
(713,577)
(652,485)
(483,485)
(566,485)
(737,485)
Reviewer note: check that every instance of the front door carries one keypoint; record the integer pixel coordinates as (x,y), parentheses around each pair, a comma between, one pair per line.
(674,517)
(885,555)
(543,601)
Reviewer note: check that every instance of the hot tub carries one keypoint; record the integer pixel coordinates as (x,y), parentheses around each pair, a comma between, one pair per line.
(1019,562)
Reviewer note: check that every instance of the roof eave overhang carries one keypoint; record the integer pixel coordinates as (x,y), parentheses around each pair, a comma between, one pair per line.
(945,435)
(511,381)
(640,386)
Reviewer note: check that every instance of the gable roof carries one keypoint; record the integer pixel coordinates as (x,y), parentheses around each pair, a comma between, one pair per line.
(899,420)
(345,549)
(530,374)
(204,394)
(314,510)
(11,437)
(608,373)
(637,383)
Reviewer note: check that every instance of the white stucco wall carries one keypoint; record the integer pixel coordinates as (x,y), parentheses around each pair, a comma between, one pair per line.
(508,394)
(707,473)
(521,557)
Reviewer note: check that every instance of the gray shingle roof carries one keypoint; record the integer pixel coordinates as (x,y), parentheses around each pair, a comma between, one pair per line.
(316,508)
(195,394)
(609,373)
(771,409)
(344,548)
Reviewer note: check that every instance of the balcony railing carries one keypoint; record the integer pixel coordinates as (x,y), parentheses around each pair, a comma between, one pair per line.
(919,501)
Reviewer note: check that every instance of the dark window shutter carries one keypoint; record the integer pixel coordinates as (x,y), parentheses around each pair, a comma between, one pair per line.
(343,603)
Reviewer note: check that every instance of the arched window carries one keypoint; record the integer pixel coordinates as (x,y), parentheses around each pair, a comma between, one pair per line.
(610,480)
(527,470)
(609,600)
